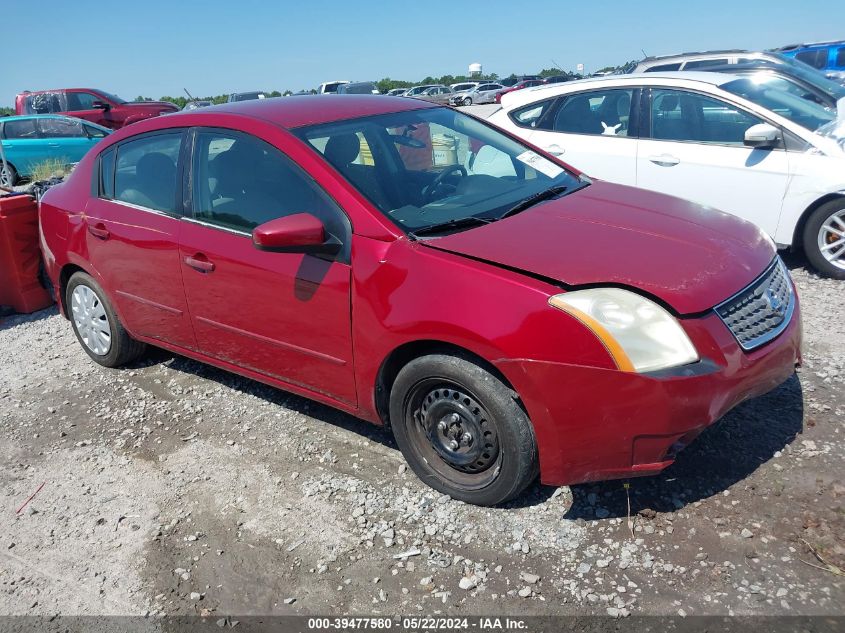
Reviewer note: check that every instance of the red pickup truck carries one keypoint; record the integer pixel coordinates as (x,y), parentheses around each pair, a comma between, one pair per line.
(92,105)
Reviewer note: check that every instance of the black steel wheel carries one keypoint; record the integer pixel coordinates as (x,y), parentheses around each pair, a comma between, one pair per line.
(462,430)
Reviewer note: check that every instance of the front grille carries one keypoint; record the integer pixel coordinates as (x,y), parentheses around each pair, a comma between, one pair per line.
(761,311)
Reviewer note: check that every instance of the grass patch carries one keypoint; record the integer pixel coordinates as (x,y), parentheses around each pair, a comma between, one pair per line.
(50,168)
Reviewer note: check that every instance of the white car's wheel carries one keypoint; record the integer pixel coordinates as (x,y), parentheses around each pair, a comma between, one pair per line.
(824,239)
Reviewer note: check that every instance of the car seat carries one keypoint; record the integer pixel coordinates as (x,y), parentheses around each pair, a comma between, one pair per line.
(341,151)
(155,183)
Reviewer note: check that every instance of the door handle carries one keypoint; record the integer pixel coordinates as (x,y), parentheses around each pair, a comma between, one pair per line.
(555,150)
(99,230)
(52,145)
(665,160)
(200,262)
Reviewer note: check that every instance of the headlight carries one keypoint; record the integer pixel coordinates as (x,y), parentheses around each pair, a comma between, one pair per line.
(639,334)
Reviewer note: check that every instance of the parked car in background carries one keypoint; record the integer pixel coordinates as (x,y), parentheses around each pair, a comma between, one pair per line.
(483,93)
(246,96)
(557,79)
(358,88)
(828,57)
(436,94)
(92,105)
(515,79)
(193,105)
(415,90)
(705,59)
(330,87)
(528,83)
(739,144)
(797,79)
(464,85)
(592,330)
(397,92)
(33,139)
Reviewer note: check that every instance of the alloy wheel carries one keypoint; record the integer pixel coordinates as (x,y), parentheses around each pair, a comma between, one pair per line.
(831,239)
(91,320)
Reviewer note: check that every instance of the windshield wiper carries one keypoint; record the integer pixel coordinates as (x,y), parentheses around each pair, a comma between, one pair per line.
(530,201)
(459,223)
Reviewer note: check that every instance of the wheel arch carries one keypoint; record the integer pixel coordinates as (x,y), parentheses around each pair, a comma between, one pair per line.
(798,234)
(65,274)
(405,353)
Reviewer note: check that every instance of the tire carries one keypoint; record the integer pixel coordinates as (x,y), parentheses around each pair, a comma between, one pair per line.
(8,176)
(829,263)
(96,325)
(496,459)
(467,101)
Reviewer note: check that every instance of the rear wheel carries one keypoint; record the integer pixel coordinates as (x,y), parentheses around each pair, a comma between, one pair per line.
(96,325)
(8,176)
(824,239)
(462,431)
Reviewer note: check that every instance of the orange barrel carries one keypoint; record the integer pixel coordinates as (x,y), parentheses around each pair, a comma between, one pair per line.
(20,255)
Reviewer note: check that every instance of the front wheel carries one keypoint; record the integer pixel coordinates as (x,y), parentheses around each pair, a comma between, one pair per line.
(467,101)
(824,239)
(96,325)
(462,430)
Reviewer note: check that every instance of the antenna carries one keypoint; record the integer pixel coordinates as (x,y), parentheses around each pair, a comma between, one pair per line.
(556,65)
(643,52)
(188,93)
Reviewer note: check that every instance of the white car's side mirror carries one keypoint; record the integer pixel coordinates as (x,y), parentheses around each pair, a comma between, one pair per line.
(762,136)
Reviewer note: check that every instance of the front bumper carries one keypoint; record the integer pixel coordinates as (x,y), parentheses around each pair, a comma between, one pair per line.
(595,424)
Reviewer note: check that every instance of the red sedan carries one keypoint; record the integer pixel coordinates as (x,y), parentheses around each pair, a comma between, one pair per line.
(528,83)
(504,314)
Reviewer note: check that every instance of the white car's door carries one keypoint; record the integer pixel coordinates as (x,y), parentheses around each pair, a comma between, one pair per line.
(590,131)
(694,149)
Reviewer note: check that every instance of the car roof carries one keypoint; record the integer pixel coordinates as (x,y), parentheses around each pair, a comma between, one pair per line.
(527,95)
(725,51)
(312,109)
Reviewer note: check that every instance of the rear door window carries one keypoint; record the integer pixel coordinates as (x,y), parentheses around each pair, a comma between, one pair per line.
(815,58)
(600,112)
(61,128)
(146,171)
(705,63)
(663,68)
(46,103)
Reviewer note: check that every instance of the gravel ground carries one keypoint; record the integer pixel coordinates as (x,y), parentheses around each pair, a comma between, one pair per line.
(174,488)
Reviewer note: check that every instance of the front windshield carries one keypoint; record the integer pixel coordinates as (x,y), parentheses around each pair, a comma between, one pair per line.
(111,97)
(431,166)
(766,91)
(814,77)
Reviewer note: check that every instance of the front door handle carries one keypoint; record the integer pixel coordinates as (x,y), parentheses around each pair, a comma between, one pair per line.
(99,230)
(555,150)
(665,160)
(200,262)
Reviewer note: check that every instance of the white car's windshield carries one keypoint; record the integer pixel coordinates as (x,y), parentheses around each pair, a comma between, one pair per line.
(423,168)
(765,92)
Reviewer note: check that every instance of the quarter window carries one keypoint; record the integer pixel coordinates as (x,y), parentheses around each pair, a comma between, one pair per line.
(22,128)
(663,68)
(530,115)
(241,182)
(146,171)
(602,112)
(106,185)
(705,63)
(677,115)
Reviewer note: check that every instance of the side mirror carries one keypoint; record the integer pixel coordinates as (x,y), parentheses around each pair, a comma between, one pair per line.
(101,105)
(762,136)
(297,233)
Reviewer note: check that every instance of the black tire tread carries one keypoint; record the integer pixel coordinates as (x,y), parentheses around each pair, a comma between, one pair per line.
(810,237)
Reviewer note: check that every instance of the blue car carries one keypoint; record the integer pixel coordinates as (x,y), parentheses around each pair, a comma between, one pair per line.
(30,140)
(828,57)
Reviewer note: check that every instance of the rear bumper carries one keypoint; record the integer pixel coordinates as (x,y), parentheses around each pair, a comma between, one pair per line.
(595,424)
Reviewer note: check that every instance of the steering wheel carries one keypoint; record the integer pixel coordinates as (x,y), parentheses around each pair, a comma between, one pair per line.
(428,191)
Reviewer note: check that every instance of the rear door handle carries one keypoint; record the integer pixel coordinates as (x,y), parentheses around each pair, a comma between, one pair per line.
(99,230)
(556,150)
(200,262)
(665,160)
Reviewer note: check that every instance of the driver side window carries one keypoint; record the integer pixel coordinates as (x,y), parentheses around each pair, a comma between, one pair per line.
(677,115)
(79,101)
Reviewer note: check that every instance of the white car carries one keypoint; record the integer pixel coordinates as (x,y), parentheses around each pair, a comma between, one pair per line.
(739,144)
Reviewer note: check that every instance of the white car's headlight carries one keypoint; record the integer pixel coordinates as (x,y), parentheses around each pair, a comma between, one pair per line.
(639,334)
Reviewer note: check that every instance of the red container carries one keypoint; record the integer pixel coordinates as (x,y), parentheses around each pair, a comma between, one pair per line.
(20,255)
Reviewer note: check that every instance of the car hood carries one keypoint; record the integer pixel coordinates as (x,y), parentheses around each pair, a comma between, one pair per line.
(688,256)
(151,105)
